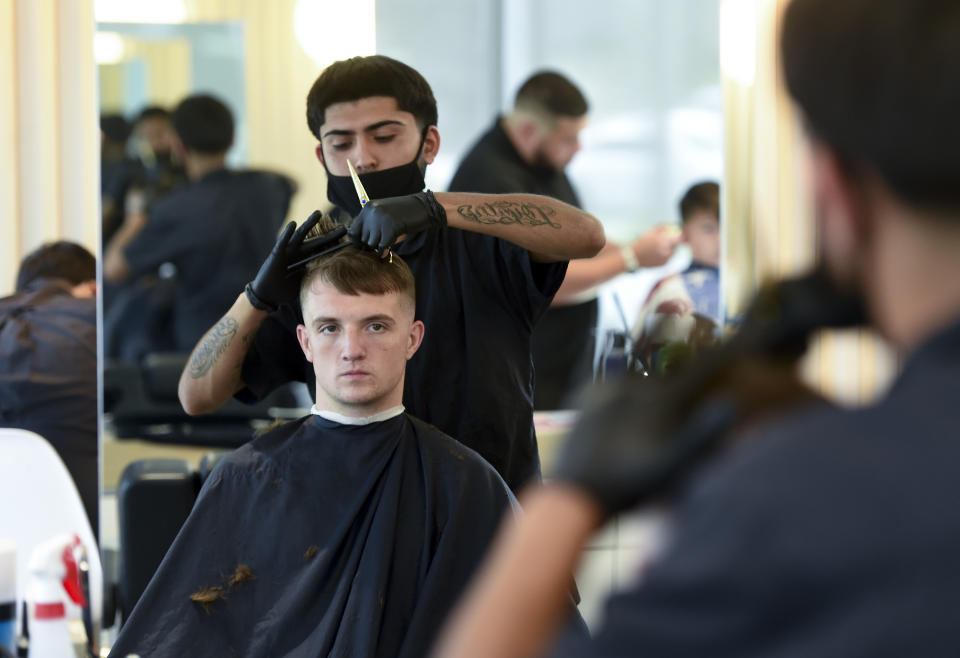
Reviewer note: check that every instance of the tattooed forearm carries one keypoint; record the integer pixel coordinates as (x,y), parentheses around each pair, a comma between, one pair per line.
(211,347)
(510,212)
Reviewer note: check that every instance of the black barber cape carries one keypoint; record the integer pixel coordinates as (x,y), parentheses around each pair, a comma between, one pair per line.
(358,540)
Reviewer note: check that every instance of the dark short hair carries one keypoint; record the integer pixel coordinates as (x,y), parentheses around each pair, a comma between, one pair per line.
(363,77)
(204,124)
(550,93)
(701,196)
(877,82)
(115,127)
(355,270)
(152,112)
(57,260)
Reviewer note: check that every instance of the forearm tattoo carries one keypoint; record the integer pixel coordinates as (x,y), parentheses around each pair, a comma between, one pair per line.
(510,212)
(212,346)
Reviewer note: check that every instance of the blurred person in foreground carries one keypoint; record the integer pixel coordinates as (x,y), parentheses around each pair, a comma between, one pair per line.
(825,531)
(48,360)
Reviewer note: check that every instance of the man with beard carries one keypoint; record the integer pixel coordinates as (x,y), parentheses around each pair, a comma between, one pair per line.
(487,267)
(828,531)
(527,151)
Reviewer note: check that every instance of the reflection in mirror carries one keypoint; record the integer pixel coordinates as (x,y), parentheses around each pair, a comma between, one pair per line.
(649,70)
(185,225)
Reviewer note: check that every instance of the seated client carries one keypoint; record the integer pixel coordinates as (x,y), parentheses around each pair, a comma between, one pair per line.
(349,532)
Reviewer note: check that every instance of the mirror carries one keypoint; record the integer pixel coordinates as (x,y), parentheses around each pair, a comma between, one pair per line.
(649,69)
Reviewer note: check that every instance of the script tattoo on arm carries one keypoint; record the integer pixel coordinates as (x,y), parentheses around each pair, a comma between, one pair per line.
(212,346)
(510,212)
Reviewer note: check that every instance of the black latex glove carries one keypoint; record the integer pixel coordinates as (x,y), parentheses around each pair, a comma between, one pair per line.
(274,284)
(382,221)
(629,445)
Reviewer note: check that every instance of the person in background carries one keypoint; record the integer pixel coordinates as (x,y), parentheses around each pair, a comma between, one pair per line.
(528,150)
(118,171)
(685,307)
(48,360)
(827,531)
(487,267)
(215,232)
(154,143)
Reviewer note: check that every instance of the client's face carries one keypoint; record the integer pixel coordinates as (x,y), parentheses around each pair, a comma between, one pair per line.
(359,346)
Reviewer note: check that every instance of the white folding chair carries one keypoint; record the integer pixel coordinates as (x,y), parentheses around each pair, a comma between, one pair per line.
(39,500)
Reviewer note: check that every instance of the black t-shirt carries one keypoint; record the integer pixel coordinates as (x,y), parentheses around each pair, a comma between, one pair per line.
(48,376)
(472,377)
(563,340)
(216,231)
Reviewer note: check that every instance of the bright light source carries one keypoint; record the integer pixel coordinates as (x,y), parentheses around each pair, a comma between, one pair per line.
(139,11)
(738,40)
(329,30)
(107,48)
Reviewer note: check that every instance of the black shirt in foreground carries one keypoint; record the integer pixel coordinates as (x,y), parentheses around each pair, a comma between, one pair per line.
(833,533)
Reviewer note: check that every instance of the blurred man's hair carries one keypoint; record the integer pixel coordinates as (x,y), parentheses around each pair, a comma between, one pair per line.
(57,260)
(549,95)
(701,196)
(355,270)
(356,78)
(152,112)
(204,124)
(115,127)
(877,81)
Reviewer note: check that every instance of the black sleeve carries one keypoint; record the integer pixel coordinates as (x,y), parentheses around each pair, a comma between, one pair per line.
(275,358)
(507,268)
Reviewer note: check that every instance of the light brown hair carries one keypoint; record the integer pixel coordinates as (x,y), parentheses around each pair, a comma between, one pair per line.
(355,270)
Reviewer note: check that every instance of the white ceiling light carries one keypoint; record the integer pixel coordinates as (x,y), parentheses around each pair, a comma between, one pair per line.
(107,48)
(329,30)
(738,40)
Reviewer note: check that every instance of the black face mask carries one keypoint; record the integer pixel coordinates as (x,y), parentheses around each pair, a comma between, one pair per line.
(396,181)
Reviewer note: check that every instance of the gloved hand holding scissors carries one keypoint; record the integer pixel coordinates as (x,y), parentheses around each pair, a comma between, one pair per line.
(276,283)
(382,221)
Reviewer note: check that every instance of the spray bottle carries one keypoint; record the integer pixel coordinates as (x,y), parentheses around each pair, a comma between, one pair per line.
(54,582)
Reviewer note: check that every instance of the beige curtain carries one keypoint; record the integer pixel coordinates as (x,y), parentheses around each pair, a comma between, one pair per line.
(49,132)
(768,226)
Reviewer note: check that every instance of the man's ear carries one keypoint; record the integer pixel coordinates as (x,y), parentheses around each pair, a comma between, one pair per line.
(303,337)
(319,152)
(431,144)
(415,338)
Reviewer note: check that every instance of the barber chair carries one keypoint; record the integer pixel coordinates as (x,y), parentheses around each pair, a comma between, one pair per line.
(140,402)
(154,498)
